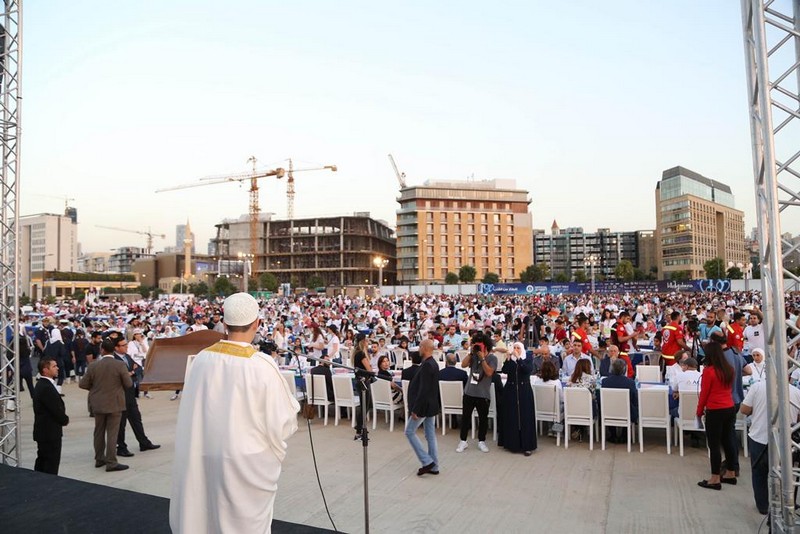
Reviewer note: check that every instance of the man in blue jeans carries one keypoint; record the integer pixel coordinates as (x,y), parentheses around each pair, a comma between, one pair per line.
(755,405)
(423,403)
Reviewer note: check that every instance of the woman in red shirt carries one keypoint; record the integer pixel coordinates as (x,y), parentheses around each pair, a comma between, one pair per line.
(716,399)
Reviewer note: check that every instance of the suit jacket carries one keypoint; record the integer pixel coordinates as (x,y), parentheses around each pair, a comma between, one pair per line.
(49,412)
(106,379)
(409,373)
(453,374)
(423,392)
(623,382)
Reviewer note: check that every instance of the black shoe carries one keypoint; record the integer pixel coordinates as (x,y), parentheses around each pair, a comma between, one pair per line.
(426,469)
(527,453)
(705,484)
(125,453)
(731,481)
(118,467)
(357,437)
(149,447)
(99,463)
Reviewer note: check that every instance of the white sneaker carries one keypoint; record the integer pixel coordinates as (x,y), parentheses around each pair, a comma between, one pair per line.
(482,446)
(147,395)
(175,396)
(11,405)
(462,446)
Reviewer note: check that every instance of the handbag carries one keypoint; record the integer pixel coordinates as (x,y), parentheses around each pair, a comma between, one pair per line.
(309,410)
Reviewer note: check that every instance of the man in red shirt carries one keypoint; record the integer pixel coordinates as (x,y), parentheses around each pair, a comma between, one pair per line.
(736,332)
(672,340)
(579,334)
(621,338)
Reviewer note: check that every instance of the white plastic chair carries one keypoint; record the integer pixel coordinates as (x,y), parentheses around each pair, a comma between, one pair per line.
(343,397)
(578,412)
(405,398)
(547,402)
(442,364)
(407,364)
(654,413)
(451,394)
(289,377)
(399,355)
(344,352)
(687,420)
(492,414)
(462,354)
(741,426)
(648,373)
(318,394)
(615,410)
(382,400)
(438,355)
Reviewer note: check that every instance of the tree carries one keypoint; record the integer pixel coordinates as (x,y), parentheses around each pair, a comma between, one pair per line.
(625,271)
(735,273)
(224,287)
(714,268)
(679,275)
(639,274)
(561,278)
(755,274)
(315,281)
(534,273)
(467,274)
(491,278)
(451,278)
(269,282)
(179,288)
(199,288)
(24,300)
(79,295)
(580,276)
(252,284)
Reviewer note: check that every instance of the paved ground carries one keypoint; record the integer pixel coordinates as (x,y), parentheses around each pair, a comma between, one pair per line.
(570,490)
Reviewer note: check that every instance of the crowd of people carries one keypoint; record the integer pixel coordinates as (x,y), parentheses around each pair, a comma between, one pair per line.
(492,344)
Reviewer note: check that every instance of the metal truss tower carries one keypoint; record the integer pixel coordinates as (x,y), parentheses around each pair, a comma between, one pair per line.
(10,71)
(772,59)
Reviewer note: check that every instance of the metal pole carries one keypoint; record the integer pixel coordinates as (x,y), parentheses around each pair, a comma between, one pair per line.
(766,169)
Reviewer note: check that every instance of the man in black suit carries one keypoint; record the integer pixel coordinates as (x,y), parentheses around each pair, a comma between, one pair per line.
(49,416)
(131,412)
(325,370)
(423,405)
(409,372)
(618,380)
(451,373)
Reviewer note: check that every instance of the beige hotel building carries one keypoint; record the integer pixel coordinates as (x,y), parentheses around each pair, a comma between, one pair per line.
(442,226)
(696,221)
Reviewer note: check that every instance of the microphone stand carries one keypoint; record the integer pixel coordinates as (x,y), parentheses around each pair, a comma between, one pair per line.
(364,379)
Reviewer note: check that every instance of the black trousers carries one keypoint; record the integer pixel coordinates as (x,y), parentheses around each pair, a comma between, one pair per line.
(134,416)
(48,456)
(719,425)
(474,403)
(733,443)
(359,418)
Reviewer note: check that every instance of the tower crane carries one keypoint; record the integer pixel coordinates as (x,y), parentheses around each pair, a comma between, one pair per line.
(253,177)
(150,235)
(65,198)
(401,176)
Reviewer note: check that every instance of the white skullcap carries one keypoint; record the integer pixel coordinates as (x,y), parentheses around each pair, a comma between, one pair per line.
(240,309)
(759,351)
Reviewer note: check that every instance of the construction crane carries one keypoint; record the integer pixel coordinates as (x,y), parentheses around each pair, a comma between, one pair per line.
(65,198)
(253,177)
(290,185)
(150,235)
(401,176)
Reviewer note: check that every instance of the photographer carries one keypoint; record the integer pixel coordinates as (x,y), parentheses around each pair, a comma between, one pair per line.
(477,394)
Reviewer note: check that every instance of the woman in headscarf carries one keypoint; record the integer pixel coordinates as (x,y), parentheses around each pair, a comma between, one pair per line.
(518,431)
(56,350)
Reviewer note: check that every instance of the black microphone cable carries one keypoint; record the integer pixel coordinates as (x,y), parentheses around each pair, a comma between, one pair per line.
(311,440)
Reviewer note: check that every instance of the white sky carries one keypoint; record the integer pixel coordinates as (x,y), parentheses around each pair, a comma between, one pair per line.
(584,103)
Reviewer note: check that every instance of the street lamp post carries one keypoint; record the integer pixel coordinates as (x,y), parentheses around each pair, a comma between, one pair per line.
(746,269)
(380,263)
(590,261)
(247,268)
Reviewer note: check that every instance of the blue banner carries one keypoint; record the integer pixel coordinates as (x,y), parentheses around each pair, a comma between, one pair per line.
(638,286)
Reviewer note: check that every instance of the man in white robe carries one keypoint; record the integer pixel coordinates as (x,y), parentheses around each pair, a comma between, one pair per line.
(235,417)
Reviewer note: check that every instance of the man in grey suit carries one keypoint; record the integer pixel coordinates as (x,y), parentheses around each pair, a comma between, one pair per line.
(107,379)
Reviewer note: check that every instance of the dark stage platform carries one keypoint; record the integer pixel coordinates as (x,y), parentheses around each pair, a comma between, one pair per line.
(36,502)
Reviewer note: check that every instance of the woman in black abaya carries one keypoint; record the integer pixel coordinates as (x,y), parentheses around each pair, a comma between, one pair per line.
(519,424)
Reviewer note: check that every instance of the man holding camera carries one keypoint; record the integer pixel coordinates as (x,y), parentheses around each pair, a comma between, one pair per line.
(477,392)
